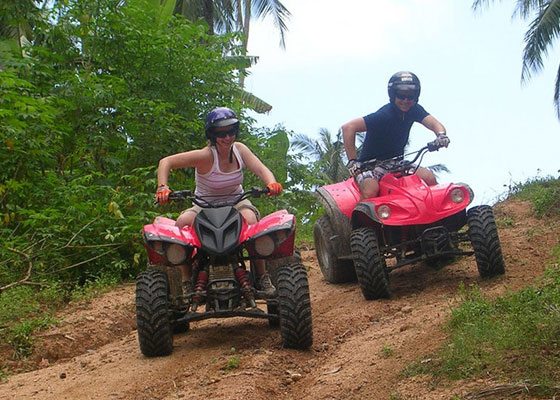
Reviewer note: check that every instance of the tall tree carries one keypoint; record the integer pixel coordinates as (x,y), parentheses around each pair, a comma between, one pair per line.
(225,16)
(543,30)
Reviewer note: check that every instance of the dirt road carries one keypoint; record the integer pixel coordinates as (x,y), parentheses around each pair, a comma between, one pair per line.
(360,347)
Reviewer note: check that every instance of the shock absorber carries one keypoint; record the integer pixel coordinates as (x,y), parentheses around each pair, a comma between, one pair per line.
(245,285)
(199,288)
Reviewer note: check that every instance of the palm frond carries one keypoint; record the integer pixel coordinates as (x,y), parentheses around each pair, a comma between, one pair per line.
(557,93)
(242,62)
(477,4)
(543,30)
(438,168)
(253,102)
(305,143)
(278,12)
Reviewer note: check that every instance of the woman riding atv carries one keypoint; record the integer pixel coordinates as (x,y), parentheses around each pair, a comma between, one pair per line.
(219,171)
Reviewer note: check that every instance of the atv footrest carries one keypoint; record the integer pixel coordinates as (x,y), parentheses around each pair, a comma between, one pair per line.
(251,313)
(435,241)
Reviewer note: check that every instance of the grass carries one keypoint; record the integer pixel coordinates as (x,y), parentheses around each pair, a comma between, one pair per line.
(515,337)
(387,351)
(25,310)
(233,362)
(544,193)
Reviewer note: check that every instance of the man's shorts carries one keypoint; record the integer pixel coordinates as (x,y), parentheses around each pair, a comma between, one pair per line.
(377,173)
(245,203)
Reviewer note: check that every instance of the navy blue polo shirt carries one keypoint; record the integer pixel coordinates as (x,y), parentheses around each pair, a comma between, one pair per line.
(387,131)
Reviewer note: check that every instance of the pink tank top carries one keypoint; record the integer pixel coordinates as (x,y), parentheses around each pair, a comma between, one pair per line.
(217,182)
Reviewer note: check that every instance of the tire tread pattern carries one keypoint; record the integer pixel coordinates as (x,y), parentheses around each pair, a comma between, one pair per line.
(338,271)
(371,269)
(294,307)
(483,234)
(152,314)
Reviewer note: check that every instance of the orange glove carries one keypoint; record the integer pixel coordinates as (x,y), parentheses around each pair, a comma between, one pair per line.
(162,194)
(274,189)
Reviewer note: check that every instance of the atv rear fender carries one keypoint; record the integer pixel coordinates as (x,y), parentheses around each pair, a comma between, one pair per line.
(339,199)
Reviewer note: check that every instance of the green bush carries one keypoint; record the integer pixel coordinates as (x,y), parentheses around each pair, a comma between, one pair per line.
(544,193)
(515,336)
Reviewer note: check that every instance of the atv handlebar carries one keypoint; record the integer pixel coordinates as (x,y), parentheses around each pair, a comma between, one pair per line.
(204,201)
(399,164)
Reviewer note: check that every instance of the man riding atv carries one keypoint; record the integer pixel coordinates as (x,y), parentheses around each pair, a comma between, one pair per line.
(392,212)
(387,132)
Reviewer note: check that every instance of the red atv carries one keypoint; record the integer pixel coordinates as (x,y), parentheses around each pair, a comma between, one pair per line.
(218,246)
(408,222)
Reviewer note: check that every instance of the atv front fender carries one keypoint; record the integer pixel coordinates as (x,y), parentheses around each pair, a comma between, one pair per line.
(363,214)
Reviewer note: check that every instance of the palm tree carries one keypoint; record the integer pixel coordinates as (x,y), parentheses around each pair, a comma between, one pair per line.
(329,154)
(544,28)
(224,16)
(16,28)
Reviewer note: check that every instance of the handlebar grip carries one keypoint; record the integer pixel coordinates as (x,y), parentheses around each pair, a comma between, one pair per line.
(180,195)
(433,146)
(257,191)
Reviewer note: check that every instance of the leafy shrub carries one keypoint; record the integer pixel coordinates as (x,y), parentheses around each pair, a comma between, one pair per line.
(544,193)
(517,335)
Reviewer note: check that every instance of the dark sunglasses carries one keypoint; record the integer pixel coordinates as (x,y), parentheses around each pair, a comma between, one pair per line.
(229,132)
(407,97)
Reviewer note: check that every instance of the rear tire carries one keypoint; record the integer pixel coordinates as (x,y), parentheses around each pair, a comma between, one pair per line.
(327,247)
(272,265)
(371,268)
(483,234)
(294,307)
(152,314)
(272,308)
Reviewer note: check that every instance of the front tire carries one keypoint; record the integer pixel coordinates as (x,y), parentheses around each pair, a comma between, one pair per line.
(327,247)
(483,234)
(371,268)
(294,307)
(152,314)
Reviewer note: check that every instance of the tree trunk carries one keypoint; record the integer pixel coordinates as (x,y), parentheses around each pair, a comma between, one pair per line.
(209,15)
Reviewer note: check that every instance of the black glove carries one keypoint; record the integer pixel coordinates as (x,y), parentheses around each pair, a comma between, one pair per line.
(354,167)
(442,140)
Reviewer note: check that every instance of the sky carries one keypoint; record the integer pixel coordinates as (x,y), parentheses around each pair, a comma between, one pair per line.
(340,55)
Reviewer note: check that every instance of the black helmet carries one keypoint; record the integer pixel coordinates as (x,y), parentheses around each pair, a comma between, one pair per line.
(218,117)
(405,81)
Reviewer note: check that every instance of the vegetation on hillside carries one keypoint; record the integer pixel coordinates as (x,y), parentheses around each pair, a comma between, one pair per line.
(516,336)
(93,97)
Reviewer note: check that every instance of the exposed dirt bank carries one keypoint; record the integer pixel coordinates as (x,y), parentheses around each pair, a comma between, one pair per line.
(94,354)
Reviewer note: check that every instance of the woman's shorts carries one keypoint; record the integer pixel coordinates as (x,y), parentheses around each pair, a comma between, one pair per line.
(245,203)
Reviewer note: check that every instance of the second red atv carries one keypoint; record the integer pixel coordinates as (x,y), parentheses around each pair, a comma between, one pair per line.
(408,222)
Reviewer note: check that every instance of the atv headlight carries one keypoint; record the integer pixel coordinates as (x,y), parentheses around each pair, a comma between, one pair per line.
(383,212)
(264,245)
(457,196)
(176,254)
(157,246)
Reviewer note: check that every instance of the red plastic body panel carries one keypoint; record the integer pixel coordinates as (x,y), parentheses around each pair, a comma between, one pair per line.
(165,228)
(274,220)
(411,200)
(346,195)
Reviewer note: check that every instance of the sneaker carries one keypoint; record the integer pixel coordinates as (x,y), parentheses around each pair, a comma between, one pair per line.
(265,284)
